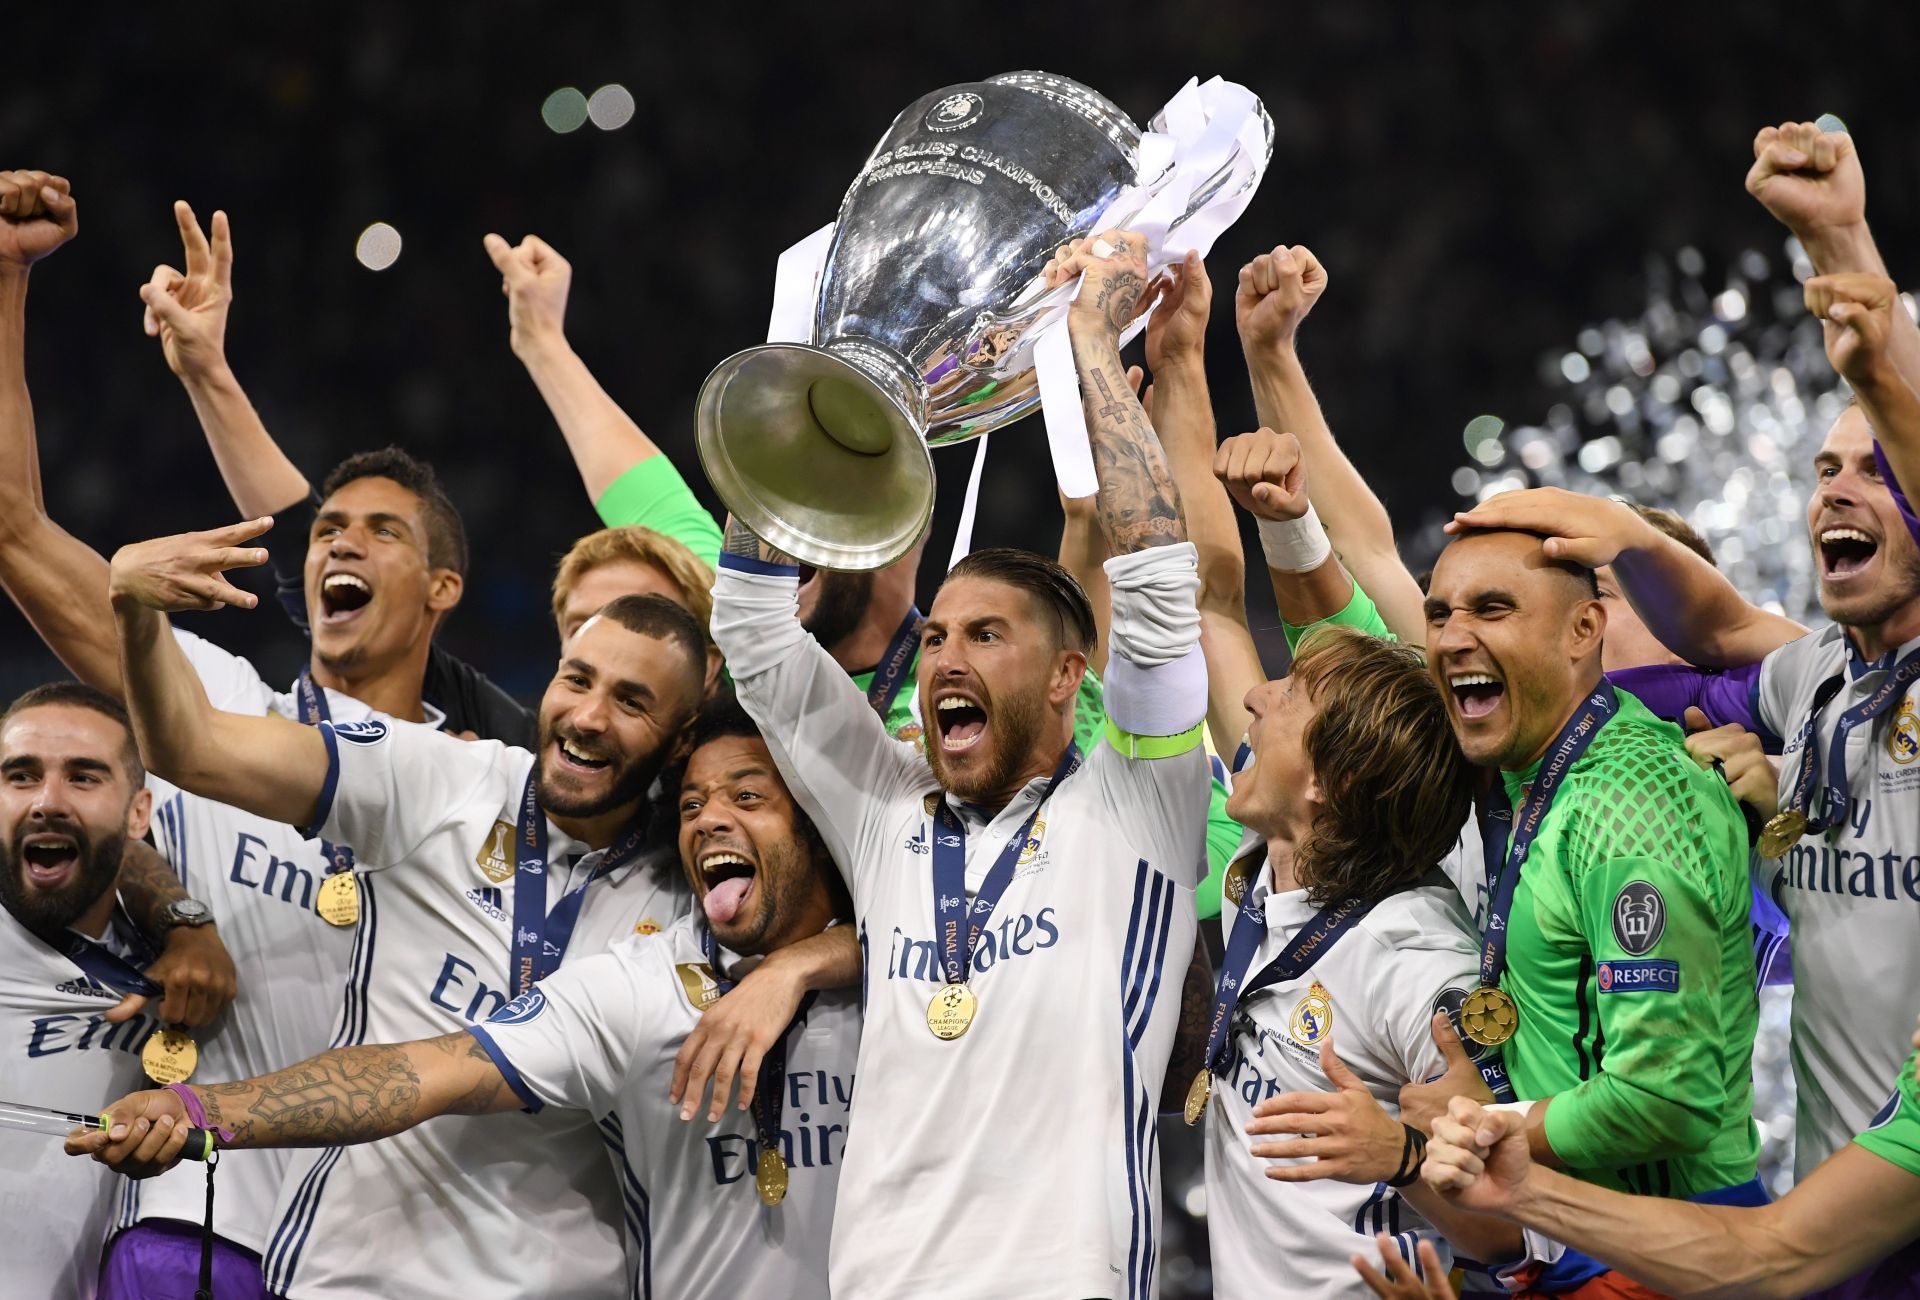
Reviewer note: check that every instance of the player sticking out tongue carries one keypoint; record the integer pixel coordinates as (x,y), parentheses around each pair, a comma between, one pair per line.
(730,874)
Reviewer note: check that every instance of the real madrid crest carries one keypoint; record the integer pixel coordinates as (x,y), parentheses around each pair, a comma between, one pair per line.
(1032,846)
(1312,1018)
(1903,737)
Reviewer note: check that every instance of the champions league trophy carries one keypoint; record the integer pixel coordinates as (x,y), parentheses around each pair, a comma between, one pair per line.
(928,301)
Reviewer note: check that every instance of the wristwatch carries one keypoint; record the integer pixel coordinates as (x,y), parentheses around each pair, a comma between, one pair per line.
(185,911)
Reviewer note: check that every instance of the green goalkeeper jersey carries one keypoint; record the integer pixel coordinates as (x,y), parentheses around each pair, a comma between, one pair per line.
(1630,954)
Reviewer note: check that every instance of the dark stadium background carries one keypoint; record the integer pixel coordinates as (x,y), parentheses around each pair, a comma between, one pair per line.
(1481,180)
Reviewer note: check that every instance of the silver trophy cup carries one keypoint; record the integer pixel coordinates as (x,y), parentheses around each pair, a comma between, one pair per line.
(932,278)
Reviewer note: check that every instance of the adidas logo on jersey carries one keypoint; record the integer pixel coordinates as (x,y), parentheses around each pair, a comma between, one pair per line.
(488,900)
(86,987)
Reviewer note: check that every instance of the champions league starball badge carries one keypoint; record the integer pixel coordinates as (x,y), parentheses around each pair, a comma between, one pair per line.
(170,1056)
(951,1012)
(1489,1015)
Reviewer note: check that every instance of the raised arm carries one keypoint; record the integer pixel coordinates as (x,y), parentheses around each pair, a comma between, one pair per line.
(267,765)
(188,314)
(1860,314)
(338,1098)
(1275,293)
(59,582)
(1851,1211)
(1686,602)
(1138,505)
(1083,553)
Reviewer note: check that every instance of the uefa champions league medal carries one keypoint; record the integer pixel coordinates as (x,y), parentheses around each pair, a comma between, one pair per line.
(339,901)
(951,1012)
(1489,1015)
(170,1056)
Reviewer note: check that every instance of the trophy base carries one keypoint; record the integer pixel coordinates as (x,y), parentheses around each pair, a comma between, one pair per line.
(816,456)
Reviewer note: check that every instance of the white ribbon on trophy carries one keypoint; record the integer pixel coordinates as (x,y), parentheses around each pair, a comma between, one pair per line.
(1211,135)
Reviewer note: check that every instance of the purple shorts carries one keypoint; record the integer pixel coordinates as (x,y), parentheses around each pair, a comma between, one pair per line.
(159,1259)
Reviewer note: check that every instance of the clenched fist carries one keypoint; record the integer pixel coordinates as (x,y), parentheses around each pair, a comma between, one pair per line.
(1275,293)
(1809,179)
(1264,473)
(1856,315)
(37,215)
(535,280)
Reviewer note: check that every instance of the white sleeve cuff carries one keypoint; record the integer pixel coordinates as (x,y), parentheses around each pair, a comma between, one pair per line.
(1156,617)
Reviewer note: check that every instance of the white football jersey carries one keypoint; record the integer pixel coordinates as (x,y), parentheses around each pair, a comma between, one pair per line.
(1373,993)
(1852,895)
(1019,1159)
(464,1207)
(59,1052)
(261,880)
(600,1036)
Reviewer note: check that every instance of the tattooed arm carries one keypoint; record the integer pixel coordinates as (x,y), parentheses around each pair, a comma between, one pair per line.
(1138,504)
(193,967)
(739,540)
(341,1097)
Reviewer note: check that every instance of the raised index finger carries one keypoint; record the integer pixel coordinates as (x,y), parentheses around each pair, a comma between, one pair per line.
(234,534)
(192,238)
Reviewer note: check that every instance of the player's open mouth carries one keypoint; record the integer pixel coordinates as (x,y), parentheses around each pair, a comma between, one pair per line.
(574,757)
(49,860)
(342,596)
(960,720)
(730,878)
(1476,695)
(1845,552)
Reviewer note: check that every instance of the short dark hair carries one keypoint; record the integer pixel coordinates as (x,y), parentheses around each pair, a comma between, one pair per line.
(1055,589)
(656,616)
(1677,528)
(1580,573)
(79,695)
(446,534)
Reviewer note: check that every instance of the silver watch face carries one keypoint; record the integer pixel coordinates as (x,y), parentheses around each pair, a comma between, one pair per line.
(189,911)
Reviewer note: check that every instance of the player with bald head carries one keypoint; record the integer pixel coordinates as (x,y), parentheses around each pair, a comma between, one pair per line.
(1616,972)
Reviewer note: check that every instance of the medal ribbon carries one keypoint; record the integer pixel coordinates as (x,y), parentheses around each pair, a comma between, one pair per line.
(769,1092)
(102,964)
(891,675)
(956,942)
(1313,941)
(313,711)
(540,937)
(1835,797)
(1504,864)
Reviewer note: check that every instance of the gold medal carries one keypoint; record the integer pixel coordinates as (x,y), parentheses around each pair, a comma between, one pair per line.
(1197,1095)
(770,1178)
(1782,831)
(951,1012)
(339,902)
(170,1056)
(1489,1015)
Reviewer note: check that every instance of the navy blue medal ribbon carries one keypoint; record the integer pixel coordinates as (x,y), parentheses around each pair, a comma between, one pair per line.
(1504,863)
(1835,797)
(103,965)
(540,937)
(768,1091)
(1315,939)
(956,940)
(314,711)
(891,674)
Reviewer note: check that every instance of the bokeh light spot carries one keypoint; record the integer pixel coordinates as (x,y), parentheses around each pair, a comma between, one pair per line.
(378,247)
(564,111)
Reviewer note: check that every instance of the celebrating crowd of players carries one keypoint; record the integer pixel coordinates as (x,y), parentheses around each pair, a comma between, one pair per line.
(1498,866)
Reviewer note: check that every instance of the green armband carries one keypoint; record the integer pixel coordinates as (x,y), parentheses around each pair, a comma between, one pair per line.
(1133,746)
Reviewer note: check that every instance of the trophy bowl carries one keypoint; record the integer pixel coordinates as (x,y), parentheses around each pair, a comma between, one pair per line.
(929,285)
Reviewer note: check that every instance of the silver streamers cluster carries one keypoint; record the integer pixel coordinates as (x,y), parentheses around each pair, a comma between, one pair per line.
(1711,403)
